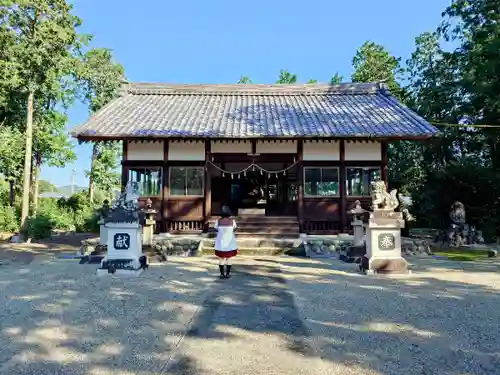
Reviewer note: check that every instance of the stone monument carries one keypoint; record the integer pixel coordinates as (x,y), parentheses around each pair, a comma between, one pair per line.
(383,234)
(459,232)
(124,236)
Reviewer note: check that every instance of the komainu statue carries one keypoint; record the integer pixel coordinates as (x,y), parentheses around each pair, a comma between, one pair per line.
(459,232)
(457,213)
(381,199)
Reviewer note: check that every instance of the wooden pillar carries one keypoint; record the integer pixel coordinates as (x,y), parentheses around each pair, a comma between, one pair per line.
(300,181)
(254,146)
(207,185)
(384,174)
(342,187)
(165,190)
(125,168)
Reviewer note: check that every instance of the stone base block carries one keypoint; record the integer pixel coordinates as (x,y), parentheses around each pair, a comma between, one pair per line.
(384,266)
(124,273)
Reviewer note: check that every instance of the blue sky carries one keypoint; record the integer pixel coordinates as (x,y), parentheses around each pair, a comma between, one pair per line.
(217,41)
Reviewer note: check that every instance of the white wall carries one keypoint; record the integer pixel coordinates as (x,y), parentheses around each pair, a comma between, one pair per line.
(319,151)
(363,151)
(186,150)
(231,147)
(272,147)
(145,150)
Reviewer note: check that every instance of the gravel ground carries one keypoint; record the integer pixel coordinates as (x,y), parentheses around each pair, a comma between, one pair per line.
(443,319)
(275,316)
(57,317)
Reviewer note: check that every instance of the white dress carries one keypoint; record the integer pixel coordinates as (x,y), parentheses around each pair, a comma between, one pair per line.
(226,240)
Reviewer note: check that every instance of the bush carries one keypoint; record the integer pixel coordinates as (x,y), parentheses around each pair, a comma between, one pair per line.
(9,221)
(75,213)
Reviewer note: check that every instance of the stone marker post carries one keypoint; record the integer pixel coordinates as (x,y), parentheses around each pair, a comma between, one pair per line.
(383,234)
(124,237)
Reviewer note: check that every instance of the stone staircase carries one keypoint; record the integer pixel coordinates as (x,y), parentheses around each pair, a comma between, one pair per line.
(258,225)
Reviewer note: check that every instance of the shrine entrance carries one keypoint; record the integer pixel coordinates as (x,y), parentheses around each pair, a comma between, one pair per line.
(257,191)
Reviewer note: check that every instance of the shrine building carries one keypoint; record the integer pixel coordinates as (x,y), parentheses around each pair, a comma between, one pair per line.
(286,158)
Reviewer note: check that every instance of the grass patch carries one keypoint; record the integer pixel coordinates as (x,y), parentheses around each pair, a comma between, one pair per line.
(462,255)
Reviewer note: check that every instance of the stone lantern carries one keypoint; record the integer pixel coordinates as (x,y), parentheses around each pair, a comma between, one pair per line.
(149,223)
(357,250)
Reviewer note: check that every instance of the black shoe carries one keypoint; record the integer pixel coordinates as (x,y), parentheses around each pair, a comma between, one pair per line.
(228,271)
(221,269)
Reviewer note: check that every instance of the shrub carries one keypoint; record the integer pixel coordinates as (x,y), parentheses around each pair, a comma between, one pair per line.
(47,219)
(9,221)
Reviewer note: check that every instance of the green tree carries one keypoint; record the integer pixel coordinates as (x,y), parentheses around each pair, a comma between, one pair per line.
(44,34)
(46,187)
(474,26)
(101,79)
(372,63)
(245,80)
(312,81)
(336,79)
(286,77)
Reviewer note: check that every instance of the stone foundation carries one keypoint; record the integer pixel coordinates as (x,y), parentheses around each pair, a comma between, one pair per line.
(331,246)
(385,266)
(177,246)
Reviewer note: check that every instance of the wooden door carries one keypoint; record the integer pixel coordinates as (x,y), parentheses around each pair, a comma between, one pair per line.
(221,194)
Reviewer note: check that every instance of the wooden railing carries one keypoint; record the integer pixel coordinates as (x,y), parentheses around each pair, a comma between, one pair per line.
(320,227)
(185,226)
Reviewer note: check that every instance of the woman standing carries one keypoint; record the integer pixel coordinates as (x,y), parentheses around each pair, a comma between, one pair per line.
(225,243)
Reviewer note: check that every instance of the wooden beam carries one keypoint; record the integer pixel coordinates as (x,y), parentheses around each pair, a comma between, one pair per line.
(125,168)
(165,190)
(385,161)
(207,187)
(300,181)
(342,187)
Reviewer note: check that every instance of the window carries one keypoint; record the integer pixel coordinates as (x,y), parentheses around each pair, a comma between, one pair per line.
(321,182)
(148,180)
(186,181)
(358,180)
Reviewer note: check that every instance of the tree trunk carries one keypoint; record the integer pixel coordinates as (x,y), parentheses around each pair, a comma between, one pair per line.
(36,180)
(91,175)
(25,206)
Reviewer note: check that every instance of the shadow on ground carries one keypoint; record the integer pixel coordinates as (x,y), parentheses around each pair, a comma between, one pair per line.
(440,320)
(58,318)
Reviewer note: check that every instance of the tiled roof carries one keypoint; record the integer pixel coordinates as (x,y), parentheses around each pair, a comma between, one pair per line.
(241,111)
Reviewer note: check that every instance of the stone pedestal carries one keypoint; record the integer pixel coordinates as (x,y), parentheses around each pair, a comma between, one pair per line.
(124,249)
(383,244)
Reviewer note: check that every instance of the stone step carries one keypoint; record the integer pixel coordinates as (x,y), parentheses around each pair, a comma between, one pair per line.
(252,251)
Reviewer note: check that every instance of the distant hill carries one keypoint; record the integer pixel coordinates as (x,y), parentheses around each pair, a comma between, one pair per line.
(66,189)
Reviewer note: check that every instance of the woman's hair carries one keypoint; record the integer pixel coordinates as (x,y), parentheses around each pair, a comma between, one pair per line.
(226,212)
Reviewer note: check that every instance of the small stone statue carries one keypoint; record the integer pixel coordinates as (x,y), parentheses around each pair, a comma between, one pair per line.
(457,213)
(459,233)
(381,199)
(126,206)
